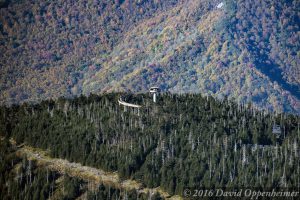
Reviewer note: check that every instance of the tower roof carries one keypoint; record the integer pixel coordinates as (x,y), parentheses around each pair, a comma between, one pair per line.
(154,89)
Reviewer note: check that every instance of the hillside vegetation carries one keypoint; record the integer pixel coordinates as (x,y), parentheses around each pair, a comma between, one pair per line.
(28,173)
(248,51)
(182,141)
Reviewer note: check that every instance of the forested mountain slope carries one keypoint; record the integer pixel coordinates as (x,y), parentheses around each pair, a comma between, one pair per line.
(28,173)
(27,179)
(181,141)
(248,51)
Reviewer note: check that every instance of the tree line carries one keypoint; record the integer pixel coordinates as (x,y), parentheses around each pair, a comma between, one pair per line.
(182,141)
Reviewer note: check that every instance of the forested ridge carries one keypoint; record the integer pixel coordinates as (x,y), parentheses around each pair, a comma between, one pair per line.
(25,178)
(182,141)
(247,51)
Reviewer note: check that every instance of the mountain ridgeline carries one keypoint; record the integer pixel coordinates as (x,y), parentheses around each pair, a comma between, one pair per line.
(247,51)
(181,141)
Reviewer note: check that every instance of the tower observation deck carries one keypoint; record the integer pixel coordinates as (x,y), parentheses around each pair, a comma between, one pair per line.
(154,91)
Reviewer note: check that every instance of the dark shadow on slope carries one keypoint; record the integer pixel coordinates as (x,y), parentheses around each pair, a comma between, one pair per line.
(4,3)
(274,72)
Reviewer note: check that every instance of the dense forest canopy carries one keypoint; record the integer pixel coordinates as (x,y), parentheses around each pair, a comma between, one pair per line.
(244,50)
(181,141)
(26,180)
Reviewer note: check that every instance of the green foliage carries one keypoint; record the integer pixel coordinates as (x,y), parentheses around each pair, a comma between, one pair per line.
(182,141)
(23,179)
(20,179)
